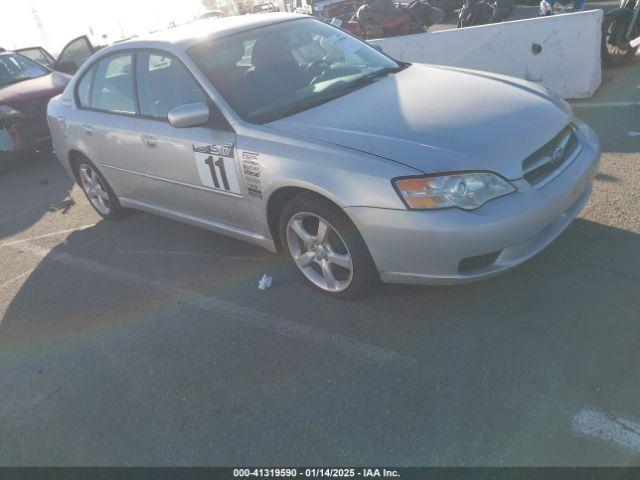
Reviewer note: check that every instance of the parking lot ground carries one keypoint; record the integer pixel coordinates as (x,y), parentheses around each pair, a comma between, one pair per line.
(147,342)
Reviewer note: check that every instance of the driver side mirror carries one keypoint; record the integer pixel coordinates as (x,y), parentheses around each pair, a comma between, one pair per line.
(189,115)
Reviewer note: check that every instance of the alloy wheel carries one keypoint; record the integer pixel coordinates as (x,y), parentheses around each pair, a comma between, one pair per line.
(319,252)
(94,189)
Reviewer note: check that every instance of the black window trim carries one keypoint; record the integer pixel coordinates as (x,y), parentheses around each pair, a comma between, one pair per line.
(225,125)
(90,71)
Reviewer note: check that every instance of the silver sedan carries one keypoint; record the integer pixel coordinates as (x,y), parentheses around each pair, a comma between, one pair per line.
(286,132)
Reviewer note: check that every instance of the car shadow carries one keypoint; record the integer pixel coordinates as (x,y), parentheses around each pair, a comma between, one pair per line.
(28,189)
(561,330)
(588,263)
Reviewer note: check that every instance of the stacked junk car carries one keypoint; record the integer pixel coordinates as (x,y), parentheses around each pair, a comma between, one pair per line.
(383,18)
(482,12)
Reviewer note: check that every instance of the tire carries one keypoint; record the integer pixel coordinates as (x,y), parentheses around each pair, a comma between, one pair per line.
(614,51)
(341,254)
(97,190)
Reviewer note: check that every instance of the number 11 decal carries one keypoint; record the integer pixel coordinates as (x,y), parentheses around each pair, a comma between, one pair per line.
(214,176)
(217,173)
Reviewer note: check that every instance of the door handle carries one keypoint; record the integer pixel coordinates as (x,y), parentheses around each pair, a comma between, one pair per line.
(88,129)
(149,141)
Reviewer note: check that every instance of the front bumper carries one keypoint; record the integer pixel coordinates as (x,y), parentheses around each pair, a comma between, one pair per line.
(432,247)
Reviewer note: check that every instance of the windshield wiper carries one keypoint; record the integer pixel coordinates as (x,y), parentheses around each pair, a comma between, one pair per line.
(381,72)
(370,77)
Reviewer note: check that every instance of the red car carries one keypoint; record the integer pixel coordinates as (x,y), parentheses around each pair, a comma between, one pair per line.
(26,87)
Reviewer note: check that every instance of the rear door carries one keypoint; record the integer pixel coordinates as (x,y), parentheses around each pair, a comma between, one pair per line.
(105,126)
(190,170)
(73,55)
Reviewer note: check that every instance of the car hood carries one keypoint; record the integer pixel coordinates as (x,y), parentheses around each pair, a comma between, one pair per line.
(39,88)
(438,119)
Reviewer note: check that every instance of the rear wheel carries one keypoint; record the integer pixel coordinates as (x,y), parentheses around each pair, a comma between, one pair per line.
(98,191)
(326,247)
(616,50)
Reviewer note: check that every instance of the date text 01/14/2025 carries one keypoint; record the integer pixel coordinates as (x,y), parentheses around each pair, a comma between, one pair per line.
(316,472)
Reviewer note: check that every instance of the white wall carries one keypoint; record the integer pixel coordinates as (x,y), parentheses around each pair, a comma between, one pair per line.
(568,62)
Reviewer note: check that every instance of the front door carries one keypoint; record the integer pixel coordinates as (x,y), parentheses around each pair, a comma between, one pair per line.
(193,170)
(73,55)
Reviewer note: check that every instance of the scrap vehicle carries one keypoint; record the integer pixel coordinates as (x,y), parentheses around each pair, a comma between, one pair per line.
(73,55)
(483,12)
(26,86)
(38,54)
(355,166)
(621,33)
(264,8)
(384,18)
(212,14)
(328,10)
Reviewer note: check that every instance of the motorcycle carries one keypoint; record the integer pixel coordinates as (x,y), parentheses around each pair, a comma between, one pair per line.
(482,12)
(383,18)
(621,34)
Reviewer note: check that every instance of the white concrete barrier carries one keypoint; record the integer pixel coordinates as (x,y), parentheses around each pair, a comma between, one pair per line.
(561,52)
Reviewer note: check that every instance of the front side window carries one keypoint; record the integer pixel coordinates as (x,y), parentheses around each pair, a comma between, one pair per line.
(164,83)
(275,71)
(113,85)
(16,68)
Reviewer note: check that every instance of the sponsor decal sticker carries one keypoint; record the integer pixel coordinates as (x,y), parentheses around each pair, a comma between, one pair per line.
(251,173)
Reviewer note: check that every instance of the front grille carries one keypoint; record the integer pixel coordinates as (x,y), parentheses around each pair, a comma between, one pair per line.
(542,164)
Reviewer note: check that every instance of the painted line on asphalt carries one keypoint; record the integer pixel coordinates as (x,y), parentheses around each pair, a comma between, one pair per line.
(297,331)
(187,254)
(46,235)
(33,207)
(605,104)
(14,279)
(605,426)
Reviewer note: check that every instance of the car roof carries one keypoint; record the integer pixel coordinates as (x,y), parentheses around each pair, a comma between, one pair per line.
(185,36)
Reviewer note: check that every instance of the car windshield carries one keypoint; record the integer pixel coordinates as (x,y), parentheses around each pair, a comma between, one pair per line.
(16,68)
(275,71)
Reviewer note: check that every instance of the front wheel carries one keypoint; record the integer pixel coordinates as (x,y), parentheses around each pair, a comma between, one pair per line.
(616,50)
(326,247)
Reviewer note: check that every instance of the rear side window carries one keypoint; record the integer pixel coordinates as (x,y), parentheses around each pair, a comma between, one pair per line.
(113,85)
(164,83)
(84,88)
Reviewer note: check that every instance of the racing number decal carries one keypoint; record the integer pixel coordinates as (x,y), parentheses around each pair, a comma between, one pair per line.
(212,166)
(216,167)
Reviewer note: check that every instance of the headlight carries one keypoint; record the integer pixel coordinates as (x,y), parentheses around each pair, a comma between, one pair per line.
(463,190)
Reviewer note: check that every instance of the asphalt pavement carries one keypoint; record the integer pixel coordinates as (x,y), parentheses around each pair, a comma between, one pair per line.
(147,342)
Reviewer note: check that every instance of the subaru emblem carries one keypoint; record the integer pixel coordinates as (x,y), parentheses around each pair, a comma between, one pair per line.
(558,155)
